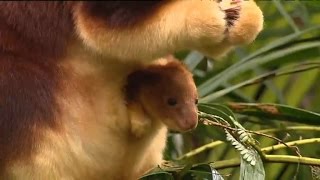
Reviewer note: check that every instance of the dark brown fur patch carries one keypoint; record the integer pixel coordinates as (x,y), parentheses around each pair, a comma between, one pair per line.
(27,105)
(122,14)
(137,80)
(151,75)
(36,28)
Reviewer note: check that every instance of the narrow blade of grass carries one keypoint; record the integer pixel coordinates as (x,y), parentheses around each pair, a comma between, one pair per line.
(277,112)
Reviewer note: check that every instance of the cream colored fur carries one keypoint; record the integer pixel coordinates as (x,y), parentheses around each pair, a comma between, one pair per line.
(182,24)
(96,141)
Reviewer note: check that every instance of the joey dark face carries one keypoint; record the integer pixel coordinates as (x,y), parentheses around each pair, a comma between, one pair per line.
(173,100)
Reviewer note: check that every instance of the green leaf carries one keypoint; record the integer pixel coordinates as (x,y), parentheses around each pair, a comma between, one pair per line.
(276,43)
(202,172)
(220,107)
(263,77)
(214,82)
(295,95)
(204,90)
(286,15)
(158,176)
(193,59)
(208,109)
(276,111)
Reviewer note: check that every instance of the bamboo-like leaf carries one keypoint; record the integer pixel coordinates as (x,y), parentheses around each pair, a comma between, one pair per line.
(217,112)
(276,111)
(212,83)
(286,15)
(260,78)
(206,88)
(278,43)
(221,107)
(222,112)
(193,59)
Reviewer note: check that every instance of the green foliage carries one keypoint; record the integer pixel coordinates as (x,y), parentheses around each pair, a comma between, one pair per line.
(260,102)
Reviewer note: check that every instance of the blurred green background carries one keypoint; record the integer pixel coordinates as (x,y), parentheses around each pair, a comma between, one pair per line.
(290,41)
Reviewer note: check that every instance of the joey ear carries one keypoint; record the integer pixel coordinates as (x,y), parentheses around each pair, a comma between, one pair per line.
(143,76)
(138,79)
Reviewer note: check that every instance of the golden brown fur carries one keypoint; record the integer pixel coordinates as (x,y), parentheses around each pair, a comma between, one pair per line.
(63,67)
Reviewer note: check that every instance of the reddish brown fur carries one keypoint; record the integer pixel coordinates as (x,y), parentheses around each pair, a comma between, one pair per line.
(26,105)
(40,28)
(33,38)
(152,75)
(153,86)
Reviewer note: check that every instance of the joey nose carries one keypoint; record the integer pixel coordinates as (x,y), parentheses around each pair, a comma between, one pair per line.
(189,122)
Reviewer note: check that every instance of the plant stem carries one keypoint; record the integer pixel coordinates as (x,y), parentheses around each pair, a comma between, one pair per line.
(226,163)
(303,128)
(217,143)
(292,159)
(292,143)
(270,159)
(200,149)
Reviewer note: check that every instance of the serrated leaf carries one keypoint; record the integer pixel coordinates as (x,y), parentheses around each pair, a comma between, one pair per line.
(252,170)
(253,162)
(245,156)
(242,135)
(241,148)
(244,139)
(244,151)
(241,131)
(249,159)
(234,143)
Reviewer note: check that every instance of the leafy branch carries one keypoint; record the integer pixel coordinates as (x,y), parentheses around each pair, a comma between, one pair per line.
(265,158)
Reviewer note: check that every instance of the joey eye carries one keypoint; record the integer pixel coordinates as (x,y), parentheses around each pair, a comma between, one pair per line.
(196,101)
(172,101)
